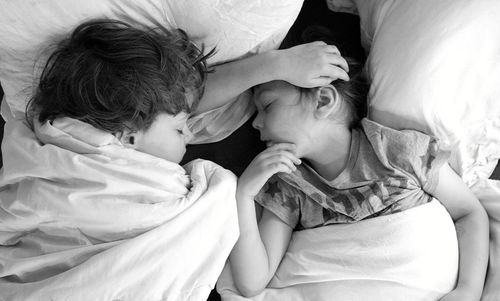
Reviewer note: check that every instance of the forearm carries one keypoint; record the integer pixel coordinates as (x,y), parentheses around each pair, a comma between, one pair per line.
(231,79)
(249,260)
(308,65)
(473,239)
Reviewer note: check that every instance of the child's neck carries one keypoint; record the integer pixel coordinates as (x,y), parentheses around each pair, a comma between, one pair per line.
(332,153)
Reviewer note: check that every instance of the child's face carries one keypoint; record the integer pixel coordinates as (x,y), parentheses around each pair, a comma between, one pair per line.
(281,116)
(166,138)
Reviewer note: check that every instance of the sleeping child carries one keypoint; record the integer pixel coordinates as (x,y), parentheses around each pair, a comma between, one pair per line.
(327,165)
(93,202)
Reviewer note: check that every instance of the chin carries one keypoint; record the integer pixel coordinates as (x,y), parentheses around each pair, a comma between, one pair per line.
(179,158)
(177,161)
(173,159)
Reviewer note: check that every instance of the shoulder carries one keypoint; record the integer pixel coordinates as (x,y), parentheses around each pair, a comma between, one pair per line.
(382,135)
(282,199)
(397,145)
(279,186)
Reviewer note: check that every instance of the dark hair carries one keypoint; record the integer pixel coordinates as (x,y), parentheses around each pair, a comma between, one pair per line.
(115,76)
(355,91)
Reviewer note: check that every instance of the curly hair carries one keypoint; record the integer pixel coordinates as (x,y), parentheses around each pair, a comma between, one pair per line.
(115,76)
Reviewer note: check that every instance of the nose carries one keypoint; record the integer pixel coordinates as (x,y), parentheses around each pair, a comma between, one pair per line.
(257,122)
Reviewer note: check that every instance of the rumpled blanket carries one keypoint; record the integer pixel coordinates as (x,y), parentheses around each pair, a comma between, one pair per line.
(83,218)
(411,255)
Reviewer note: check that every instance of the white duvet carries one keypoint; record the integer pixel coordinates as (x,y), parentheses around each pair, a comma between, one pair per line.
(435,66)
(138,231)
(83,218)
(411,255)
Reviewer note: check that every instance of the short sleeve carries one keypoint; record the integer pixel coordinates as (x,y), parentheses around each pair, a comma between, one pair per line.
(281,199)
(429,162)
(413,152)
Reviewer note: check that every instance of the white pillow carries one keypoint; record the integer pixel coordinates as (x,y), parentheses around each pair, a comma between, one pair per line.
(435,67)
(235,27)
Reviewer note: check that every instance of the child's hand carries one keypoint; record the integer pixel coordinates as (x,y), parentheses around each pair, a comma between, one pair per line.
(312,65)
(277,158)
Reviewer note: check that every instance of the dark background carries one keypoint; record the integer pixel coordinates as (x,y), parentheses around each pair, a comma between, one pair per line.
(236,151)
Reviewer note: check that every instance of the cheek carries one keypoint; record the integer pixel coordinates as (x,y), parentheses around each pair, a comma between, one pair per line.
(283,119)
(271,123)
(173,149)
(181,145)
(175,154)
(280,128)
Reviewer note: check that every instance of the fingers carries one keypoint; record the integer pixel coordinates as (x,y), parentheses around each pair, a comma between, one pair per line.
(318,43)
(329,74)
(279,147)
(282,167)
(279,158)
(278,163)
(334,66)
(283,146)
(315,64)
(285,157)
(332,49)
(321,81)
(280,155)
(338,60)
(335,72)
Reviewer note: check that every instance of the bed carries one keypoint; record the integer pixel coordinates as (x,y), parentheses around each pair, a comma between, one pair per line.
(424,72)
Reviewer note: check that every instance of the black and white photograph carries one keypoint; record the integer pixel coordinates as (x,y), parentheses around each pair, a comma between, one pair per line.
(250,150)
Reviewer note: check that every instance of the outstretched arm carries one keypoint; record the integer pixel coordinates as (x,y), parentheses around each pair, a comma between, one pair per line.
(471,222)
(308,65)
(260,248)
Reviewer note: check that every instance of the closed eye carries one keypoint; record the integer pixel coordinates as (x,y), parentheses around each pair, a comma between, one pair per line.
(267,105)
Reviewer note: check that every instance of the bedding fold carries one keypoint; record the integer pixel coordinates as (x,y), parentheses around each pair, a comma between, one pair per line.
(83,218)
(410,255)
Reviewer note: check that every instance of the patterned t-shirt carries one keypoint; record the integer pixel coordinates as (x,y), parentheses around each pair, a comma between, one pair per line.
(388,171)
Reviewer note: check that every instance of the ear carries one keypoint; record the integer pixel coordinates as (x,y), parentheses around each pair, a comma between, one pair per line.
(327,101)
(129,139)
